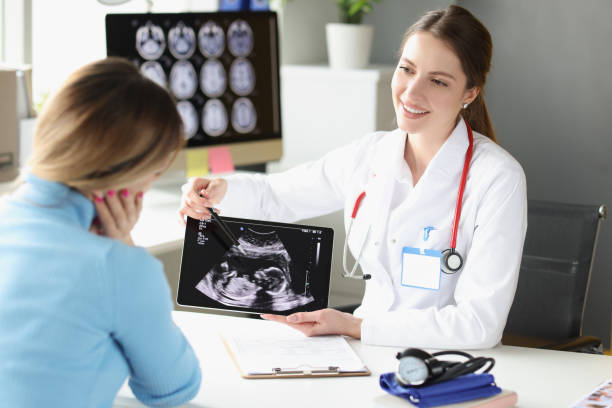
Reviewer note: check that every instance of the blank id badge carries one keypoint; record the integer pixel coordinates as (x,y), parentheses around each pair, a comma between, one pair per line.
(421,268)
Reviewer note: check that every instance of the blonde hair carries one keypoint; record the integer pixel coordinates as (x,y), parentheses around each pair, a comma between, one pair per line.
(107,126)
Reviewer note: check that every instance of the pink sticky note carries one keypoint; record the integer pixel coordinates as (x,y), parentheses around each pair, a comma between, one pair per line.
(220,160)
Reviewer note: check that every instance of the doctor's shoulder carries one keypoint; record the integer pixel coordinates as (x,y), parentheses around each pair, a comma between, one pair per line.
(374,144)
(491,161)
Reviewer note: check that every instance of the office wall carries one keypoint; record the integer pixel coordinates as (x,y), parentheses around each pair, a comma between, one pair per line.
(302,27)
(549,95)
(391,18)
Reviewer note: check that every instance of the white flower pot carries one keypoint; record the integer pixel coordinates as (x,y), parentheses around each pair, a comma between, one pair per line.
(349,45)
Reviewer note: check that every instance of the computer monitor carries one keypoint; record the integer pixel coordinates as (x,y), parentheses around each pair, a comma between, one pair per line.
(222,69)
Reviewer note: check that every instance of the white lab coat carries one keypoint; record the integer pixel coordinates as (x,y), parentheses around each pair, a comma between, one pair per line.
(471,307)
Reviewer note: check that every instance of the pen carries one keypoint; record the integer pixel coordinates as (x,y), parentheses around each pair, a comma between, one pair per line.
(225,229)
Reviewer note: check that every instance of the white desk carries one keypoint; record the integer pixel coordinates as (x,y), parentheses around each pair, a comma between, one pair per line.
(158,229)
(542,378)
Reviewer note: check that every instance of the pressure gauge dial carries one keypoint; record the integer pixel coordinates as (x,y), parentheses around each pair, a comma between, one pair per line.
(213,80)
(181,41)
(190,118)
(244,116)
(154,71)
(150,41)
(183,80)
(411,371)
(240,38)
(211,39)
(242,77)
(214,118)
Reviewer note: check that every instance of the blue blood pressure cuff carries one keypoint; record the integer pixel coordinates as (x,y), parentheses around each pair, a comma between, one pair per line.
(464,388)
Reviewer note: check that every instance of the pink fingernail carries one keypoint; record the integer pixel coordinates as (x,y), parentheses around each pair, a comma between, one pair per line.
(110,193)
(125,193)
(98,199)
(140,194)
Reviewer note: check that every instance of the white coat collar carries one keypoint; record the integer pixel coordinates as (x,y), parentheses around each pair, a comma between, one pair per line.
(449,160)
(387,166)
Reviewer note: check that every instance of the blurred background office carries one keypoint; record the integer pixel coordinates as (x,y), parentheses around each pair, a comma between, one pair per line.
(549,91)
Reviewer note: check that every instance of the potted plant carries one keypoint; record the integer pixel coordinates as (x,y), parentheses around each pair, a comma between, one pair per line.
(349,42)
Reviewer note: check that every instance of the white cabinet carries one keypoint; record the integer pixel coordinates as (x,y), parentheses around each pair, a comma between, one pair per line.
(323,109)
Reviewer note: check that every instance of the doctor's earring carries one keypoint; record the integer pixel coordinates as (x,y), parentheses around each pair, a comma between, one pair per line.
(465,105)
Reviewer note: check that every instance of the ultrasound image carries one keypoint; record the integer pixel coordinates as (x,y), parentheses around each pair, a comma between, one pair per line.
(259,278)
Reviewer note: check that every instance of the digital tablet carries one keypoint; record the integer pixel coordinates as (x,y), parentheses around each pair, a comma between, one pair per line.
(278,268)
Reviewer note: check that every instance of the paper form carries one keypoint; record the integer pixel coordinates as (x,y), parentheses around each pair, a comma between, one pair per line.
(263,355)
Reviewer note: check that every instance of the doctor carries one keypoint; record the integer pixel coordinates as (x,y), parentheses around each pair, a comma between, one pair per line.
(428,287)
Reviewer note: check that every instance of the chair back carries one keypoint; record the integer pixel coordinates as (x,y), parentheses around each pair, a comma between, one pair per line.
(555,270)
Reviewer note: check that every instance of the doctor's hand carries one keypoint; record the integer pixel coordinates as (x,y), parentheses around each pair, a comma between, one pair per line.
(199,194)
(320,322)
(118,212)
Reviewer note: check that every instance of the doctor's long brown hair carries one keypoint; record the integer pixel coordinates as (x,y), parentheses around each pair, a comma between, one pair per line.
(471,41)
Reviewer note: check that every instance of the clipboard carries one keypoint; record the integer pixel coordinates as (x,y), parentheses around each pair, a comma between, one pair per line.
(301,371)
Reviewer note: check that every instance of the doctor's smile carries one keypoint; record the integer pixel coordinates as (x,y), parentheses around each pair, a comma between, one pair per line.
(413,112)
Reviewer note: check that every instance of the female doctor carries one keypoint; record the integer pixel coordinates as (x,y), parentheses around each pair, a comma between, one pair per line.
(435,210)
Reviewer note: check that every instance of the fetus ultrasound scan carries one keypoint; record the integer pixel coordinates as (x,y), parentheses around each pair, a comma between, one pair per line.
(269,268)
(221,68)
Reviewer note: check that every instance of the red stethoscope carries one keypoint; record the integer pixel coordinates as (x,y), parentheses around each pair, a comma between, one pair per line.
(451,261)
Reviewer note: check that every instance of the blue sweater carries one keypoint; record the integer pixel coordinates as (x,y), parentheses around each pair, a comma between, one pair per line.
(80,312)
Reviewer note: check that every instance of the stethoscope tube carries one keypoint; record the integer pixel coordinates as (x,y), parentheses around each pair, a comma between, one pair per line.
(451,261)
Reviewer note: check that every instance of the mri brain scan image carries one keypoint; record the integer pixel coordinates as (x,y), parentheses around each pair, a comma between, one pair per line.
(211,39)
(150,41)
(183,80)
(214,117)
(223,65)
(261,278)
(213,80)
(181,41)
(242,77)
(190,118)
(240,38)
(244,116)
(154,71)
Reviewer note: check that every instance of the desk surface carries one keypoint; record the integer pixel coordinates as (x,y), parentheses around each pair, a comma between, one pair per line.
(158,228)
(542,378)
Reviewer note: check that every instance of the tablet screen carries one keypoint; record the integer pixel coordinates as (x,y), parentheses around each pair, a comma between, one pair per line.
(278,268)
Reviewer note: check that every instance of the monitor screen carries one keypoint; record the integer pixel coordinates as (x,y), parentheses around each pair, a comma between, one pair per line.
(277,268)
(221,68)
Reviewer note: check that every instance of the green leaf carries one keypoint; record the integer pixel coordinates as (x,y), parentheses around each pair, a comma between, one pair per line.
(357,6)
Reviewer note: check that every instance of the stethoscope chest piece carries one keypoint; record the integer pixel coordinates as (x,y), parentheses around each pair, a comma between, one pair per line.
(451,261)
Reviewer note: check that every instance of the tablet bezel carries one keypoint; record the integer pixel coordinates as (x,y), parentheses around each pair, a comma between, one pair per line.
(320,302)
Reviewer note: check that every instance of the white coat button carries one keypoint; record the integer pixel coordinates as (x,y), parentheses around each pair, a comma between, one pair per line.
(376,243)
(393,241)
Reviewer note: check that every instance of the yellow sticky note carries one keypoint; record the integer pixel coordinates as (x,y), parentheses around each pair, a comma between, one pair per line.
(197,162)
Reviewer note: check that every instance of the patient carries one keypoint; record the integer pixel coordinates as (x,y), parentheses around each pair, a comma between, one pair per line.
(81,308)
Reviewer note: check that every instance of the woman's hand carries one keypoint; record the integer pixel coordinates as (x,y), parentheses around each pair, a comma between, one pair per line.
(324,321)
(118,212)
(199,194)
